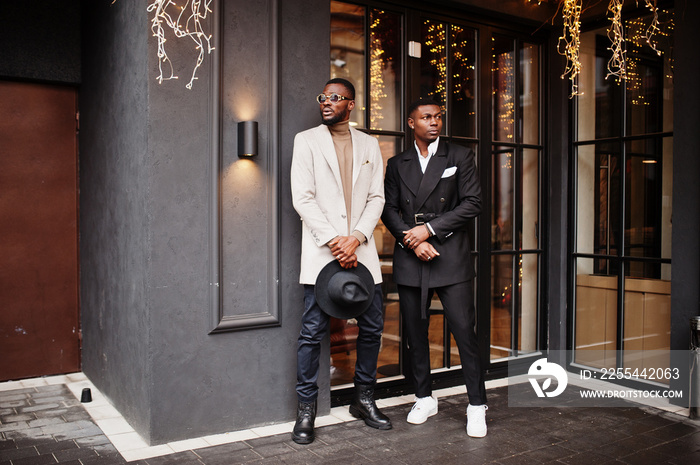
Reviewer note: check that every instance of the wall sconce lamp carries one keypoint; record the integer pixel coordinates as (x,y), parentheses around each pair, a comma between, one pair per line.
(247,139)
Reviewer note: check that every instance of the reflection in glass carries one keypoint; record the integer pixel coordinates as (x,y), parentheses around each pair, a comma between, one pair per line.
(433,62)
(596,316)
(598,208)
(502,199)
(348,52)
(501,305)
(529,114)
(503,88)
(529,193)
(462,108)
(389,146)
(649,100)
(598,113)
(647,323)
(385,71)
(647,205)
(527,302)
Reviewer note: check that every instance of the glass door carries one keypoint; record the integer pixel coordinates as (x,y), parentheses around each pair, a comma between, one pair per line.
(489,83)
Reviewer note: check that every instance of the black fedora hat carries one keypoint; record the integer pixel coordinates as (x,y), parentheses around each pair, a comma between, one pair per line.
(344,293)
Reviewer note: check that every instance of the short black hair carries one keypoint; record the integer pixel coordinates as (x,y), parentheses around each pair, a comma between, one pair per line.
(421,102)
(345,83)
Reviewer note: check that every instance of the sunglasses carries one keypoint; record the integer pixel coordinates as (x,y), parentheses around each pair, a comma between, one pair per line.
(333,98)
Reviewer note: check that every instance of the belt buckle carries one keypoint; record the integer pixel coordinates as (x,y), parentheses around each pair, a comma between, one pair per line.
(418,218)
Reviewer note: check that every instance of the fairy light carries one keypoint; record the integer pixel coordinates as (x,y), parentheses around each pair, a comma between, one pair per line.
(377,87)
(617,63)
(435,43)
(569,43)
(191,27)
(654,26)
(503,68)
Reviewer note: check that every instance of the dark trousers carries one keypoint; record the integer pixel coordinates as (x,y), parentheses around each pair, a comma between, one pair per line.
(314,325)
(458,303)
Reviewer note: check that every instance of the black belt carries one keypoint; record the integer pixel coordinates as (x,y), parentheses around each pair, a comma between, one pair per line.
(422,218)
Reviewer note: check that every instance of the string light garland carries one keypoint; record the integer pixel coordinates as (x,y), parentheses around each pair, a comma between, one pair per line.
(184,21)
(376,70)
(192,28)
(654,26)
(571,42)
(617,63)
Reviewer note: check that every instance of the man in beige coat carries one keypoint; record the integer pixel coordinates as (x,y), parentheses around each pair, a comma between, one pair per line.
(338,191)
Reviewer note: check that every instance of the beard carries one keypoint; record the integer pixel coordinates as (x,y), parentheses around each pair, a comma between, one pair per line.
(336,118)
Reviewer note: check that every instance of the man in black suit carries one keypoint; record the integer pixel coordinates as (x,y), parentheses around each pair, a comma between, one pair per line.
(432,190)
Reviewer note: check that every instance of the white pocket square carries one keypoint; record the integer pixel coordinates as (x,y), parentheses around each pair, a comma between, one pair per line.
(449,172)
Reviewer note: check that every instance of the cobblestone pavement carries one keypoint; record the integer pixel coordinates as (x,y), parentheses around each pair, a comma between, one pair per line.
(48,425)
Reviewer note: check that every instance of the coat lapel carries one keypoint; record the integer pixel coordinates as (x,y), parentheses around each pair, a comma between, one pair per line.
(325,143)
(409,170)
(432,175)
(358,149)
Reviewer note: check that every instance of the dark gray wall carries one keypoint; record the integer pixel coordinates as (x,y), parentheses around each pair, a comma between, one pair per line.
(115,214)
(146,208)
(40,40)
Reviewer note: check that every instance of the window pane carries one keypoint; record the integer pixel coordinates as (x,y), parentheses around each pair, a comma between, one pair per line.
(649,97)
(529,195)
(501,305)
(595,316)
(647,205)
(348,52)
(530,94)
(389,146)
(433,62)
(503,89)
(502,208)
(527,313)
(385,71)
(647,317)
(598,110)
(598,197)
(462,109)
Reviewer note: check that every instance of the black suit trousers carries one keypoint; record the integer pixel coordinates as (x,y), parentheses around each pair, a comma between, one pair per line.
(458,303)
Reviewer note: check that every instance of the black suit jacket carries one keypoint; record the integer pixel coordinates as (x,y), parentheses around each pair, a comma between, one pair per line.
(450,189)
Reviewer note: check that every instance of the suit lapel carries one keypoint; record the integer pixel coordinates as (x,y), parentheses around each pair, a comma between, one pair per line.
(409,170)
(432,175)
(325,143)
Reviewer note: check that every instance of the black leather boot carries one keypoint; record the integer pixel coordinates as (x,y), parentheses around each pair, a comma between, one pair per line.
(303,432)
(363,407)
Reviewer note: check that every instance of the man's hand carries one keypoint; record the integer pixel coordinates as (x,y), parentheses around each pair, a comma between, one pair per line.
(343,249)
(349,263)
(415,236)
(425,251)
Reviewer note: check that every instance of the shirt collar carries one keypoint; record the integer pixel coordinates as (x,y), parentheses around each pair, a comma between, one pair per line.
(432,147)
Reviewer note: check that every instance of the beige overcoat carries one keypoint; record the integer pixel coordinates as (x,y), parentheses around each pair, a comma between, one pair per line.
(317,196)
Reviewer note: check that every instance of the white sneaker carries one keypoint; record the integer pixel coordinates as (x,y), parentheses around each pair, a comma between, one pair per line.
(423,408)
(476,420)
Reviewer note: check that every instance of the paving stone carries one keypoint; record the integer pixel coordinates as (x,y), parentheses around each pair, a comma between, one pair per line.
(16,454)
(13,418)
(38,460)
(73,454)
(50,447)
(38,408)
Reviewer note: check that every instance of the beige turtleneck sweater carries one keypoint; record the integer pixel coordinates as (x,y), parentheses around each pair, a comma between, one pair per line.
(342,140)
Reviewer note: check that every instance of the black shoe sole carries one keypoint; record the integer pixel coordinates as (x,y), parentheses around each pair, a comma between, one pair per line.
(356,413)
(307,440)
